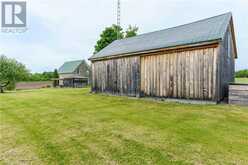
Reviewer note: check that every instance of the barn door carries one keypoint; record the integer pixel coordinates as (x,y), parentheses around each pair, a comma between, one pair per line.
(188,75)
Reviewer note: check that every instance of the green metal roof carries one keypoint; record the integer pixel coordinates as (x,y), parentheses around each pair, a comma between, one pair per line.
(70,66)
(209,29)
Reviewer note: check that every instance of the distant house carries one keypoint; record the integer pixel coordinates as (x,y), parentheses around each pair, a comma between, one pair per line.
(73,74)
(192,61)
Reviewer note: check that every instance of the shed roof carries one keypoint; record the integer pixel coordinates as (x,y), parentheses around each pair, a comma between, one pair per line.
(205,30)
(69,67)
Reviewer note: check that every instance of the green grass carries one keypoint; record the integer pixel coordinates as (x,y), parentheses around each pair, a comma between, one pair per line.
(241,80)
(72,126)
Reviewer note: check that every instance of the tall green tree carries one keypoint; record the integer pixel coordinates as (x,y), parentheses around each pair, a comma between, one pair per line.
(12,71)
(113,33)
(109,35)
(55,73)
(131,31)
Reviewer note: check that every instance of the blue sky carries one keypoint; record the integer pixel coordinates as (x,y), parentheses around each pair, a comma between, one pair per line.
(61,30)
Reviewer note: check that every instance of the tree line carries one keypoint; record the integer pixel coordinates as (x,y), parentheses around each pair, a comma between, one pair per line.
(242,73)
(12,71)
(45,76)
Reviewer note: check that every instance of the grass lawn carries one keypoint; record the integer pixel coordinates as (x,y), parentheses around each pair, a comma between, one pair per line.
(72,126)
(241,80)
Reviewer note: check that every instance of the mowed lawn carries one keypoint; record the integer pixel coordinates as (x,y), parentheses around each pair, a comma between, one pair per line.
(72,126)
(241,80)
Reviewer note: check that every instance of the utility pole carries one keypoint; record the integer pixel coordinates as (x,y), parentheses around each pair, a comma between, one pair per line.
(118,18)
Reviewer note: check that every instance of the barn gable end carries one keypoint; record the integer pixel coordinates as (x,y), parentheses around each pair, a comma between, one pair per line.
(226,61)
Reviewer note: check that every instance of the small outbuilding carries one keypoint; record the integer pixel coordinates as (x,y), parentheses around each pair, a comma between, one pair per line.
(192,61)
(73,74)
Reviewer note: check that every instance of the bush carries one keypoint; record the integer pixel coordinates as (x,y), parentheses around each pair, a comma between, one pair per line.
(242,74)
(12,71)
(45,76)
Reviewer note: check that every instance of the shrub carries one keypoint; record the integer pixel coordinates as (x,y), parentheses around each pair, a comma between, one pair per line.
(242,73)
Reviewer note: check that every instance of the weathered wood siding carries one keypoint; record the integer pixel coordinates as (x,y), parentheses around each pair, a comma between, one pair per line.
(188,74)
(117,76)
(201,73)
(226,65)
(238,94)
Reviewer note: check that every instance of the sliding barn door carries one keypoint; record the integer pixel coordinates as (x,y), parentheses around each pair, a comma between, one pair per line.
(188,74)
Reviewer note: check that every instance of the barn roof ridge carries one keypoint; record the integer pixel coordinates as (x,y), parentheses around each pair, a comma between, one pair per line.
(208,29)
(230,13)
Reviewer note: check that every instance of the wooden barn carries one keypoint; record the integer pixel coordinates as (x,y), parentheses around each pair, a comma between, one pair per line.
(193,61)
(73,74)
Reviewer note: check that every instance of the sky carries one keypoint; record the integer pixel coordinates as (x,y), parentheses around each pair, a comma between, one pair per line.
(63,30)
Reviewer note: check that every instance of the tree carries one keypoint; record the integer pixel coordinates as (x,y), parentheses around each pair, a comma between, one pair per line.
(131,31)
(108,36)
(3,85)
(111,34)
(55,74)
(11,72)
